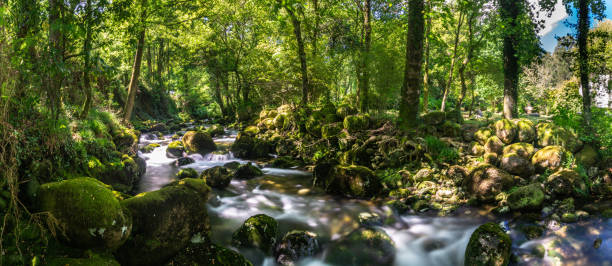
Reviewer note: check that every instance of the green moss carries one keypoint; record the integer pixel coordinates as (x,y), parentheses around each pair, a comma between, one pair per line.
(506,131)
(353,123)
(434,118)
(525,150)
(526,130)
(552,135)
(494,145)
(296,245)
(549,158)
(187,173)
(149,148)
(331,130)
(82,262)
(247,171)
(588,156)
(258,231)
(198,141)
(528,197)
(217,177)
(482,135)
(488,245)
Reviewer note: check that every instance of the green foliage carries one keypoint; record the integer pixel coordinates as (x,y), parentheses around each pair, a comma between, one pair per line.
(439,151)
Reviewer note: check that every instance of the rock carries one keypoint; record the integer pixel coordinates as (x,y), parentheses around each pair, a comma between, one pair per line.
(94,261)
(198,141)
(485,182)
(549,158)
(588,156)
(121,173)
(517,165)
(232,165)
(506,131)
(552,135)
(526,130)
(258,231)
(218,177)
(296,245)
(457,173)
(488,245)
(175,149)
(528,197)
(209,254)
(532,231)
(434,118)
(354,123)
(284,162)
(491,158)
(345,110)
(363,246)
(522,149)
(353,181)
(564,183)
(215,130)
(370,219)
(142,166)
(247,171)
(281,122)
(424,174)
(126,141)
(165,221)
(149,148)
(494,145)
(183,161)
(187,173)
(314,122)
(477,149)
(482,135)
(451,129)
(331,130)
(86,213)
(249,147)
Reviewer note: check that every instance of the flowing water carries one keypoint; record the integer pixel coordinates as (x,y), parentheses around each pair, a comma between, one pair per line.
(288,196)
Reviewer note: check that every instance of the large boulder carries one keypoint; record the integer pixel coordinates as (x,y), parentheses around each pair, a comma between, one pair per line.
(198,141)
(363,246)
(494,145)
(506,131)
(165,221)
(248,146)
(489,245)
(247,171)
(208,254)
(565,183)
(588,156)
(86,213)
(551,135)
(258,231)
(434,118)
(486,181)
(526,131)
(215,130)
(331,130)
(528,197)
(296,245)
(476,149)
(353,123)
(516,164)
(187,173)
(175,149)
(352,181)
(217,177)
(122,173)
(549,158)
(522,149)
(482,135)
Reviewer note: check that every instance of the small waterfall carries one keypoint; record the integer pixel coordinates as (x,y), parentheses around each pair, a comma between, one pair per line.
(212,157)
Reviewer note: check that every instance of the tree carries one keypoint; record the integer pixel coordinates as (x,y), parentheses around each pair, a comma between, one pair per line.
(133,87)
(449,83)
(509,12)
(409,107)
(363,74)
(291,9)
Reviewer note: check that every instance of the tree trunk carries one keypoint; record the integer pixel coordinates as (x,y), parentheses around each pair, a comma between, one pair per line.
(315,33)
(510,10)
(453,59)
(87,61)
(129,105)
(304,68)
(409,107)
(583,60)
(426,67)
(365,55)
(55,49)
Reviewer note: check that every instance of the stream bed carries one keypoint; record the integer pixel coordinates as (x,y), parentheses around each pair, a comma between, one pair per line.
(424,239)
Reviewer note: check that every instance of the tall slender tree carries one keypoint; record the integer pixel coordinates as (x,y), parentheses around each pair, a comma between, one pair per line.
(133,87)
(509,12)
(409,106)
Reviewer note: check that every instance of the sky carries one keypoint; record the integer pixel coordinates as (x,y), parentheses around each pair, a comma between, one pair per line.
(555,25)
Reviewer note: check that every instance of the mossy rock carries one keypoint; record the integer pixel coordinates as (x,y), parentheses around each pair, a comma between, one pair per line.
(345,110)
(82,262)
(86,213)
(565,183)
(588,156)
(354,123)
(126,141)
(281,122)
(258,231)
(187,173)
(217,177)
(175,149)
(451,129)
(353,181)
(526,131)
(486,181)
(196,254)
(476,149)
(296,245)
(522,149)
(247,146)
(165,221)
(549,158)
(284,162)
(515,164)
(313,123)
(198,141)
(489,245)
(363,246)
(482,135)
(247,171)
(528,198)
(215,130)
(331,130)
(552,135)
(494,145)
(434,118)
(491,158)
(101,148)
(506,131)
(149,148)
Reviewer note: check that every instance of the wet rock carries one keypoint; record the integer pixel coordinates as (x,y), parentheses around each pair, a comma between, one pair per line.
(208,254)
(351,181)
(165,221)
(522,149)
(486,181)
(528,198)
(482,135)
(353,123)
(232,165)
(565,182)
(489,245)
(121,173)
(215,130)
(126,140)
(526,130)
(284,162)
(532,231)
(506,131)
(87,214)
(198,141)
(370,219)
(175,149)
(247,171)
(434,118)
(149,148)
(296,245)
(588,156)
(549,158)
(552,135)
(187,173)
(249,147)
(258,231)
(363,246)
(494,145)
(515,164)
(183,161)
(218,177)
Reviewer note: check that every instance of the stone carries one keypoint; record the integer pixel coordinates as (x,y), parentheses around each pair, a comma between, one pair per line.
(515,164)
(257,231)
(354,123)
(526,130)
(494,145)
(331,130)
(552,135)
(528,198)
(477,149)
(175,149)
(434,118)
(506,131)
(183,161)
(565,183)
(217,177)
(482,135)
(198,142)
(491,158)
(215,130)
(296,245)
(549,158)
(363,246)
(187,173)
(588,156)
(486,181)
(488,245)
(522,149)
(247,171)
(351,181)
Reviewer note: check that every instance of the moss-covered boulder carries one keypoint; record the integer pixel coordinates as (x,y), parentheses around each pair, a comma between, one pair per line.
(476,149)
(491,158)
(196,254)
(218,176)
(314,122)
(183,161)
(564,183)
(528,197)
(482,135)
(198,141)
(522,149)
(187,173)
(149,148)
(95,261)
(588,156)
(506,131)
(175,149)
(284,162)
(122,173)
(451,129)
(515,164)
(215,130)
(549,158)
(86,213)
(486,181)
(126,140)
(247,171)
(354,123)
(331,130)
(248,146)
(165,221)
(526,131)
(552,135)
(434,118)
(353,181)
(296,245)
(363,246)
(494,145)
(258,231)
(489,245)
